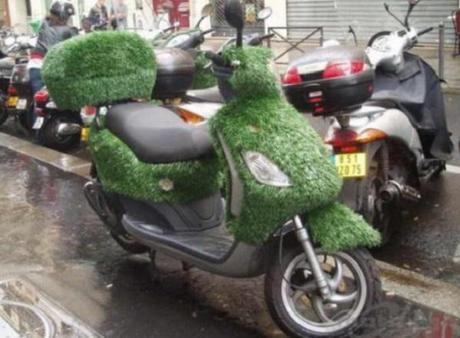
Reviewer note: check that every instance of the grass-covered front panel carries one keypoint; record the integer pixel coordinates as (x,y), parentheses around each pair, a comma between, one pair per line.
(121,172)
(99,68)
(259,119)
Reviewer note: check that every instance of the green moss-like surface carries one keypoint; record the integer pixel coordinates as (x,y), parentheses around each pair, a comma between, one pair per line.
(99,68)
(337,227)
(204,77)
(259,119)
(121,172)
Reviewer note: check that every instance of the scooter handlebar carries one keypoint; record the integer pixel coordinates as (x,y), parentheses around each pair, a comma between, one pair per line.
(427,30)
(216,59)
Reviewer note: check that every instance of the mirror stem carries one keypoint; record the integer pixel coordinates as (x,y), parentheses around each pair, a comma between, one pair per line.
(239,38)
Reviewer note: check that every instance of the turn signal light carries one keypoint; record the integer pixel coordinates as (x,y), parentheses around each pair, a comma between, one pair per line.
(349,141)
(371,135)
(292,76)
(342,68)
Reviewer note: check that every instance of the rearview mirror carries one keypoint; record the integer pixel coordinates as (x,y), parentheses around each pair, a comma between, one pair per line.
(413,2)
(264,13)
(234,14)
(206,10)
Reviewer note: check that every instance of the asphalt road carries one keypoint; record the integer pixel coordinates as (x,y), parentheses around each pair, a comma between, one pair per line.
(56,256)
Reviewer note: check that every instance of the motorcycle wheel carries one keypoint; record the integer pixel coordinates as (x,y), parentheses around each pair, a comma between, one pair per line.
(114,212)
(377,36)
(304,313)
(379,214)
(49,137)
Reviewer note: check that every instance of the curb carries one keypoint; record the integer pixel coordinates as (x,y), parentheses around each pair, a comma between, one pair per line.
(406,284)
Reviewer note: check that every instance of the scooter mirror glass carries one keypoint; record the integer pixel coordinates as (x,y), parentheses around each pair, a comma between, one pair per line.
(413,2)
(206,10)
(234,14)
(265,13)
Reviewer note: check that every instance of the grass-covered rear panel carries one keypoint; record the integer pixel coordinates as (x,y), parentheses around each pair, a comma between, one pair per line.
(99,68)
(259,119)
(121,172)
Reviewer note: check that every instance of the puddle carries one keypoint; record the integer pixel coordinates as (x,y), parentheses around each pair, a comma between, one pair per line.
(26,312)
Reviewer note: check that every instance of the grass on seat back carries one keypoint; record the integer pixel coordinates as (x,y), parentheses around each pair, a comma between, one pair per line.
(259,119)
(99,68)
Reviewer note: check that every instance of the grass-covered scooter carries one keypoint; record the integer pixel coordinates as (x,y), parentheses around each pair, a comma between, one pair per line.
(249,193)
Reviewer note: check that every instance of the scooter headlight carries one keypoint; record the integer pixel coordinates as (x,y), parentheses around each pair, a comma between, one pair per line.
(265,171)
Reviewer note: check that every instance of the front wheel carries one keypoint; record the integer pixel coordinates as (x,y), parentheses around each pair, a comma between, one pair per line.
(294,300)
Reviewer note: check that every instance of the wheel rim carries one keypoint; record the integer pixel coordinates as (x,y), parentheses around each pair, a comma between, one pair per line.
(306,307)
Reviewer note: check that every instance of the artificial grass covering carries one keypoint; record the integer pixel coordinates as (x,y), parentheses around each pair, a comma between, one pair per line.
(204,77)
(259,119)
(99,68)
(121,172)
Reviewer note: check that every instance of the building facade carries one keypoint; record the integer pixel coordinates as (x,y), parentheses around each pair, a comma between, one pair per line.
(335,16)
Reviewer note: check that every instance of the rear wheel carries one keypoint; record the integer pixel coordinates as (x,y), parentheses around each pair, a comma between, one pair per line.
(294,300)
(113,212)
(49,136)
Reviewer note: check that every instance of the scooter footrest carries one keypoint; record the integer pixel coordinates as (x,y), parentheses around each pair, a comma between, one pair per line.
(212,245)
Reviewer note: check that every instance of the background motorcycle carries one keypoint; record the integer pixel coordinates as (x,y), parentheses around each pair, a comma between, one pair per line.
(56,128)
(387,147)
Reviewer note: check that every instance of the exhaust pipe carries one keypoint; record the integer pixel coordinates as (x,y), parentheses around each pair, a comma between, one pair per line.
(393,191)
(67,129)
(98,202)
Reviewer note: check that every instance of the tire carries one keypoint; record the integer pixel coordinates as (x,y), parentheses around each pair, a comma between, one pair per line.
(295,325)
(48,134)
(376,36)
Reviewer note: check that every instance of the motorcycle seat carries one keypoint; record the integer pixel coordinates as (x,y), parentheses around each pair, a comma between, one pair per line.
(157,135)
(211,95)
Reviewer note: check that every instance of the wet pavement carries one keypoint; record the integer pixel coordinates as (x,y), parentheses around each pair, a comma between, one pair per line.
(56,256)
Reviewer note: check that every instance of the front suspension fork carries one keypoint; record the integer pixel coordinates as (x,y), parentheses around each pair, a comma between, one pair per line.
(318,273)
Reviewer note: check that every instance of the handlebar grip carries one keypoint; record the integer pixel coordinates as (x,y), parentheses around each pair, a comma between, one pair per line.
(216,59)
(267,36)
(425,31)
(207,31)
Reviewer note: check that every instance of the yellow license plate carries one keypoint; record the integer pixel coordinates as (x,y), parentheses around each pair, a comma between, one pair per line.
(84,134)
(351,165)
(12,101)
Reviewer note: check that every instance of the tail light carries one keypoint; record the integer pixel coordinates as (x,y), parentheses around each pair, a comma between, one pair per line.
(342,68)
(41,97)
(12,91)
(89,110)
(292,76)
(348,141)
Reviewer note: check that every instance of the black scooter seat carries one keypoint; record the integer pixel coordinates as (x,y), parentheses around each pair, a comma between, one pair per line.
(157,135)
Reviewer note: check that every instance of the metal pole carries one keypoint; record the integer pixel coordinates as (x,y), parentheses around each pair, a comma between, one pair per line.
(441,51)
